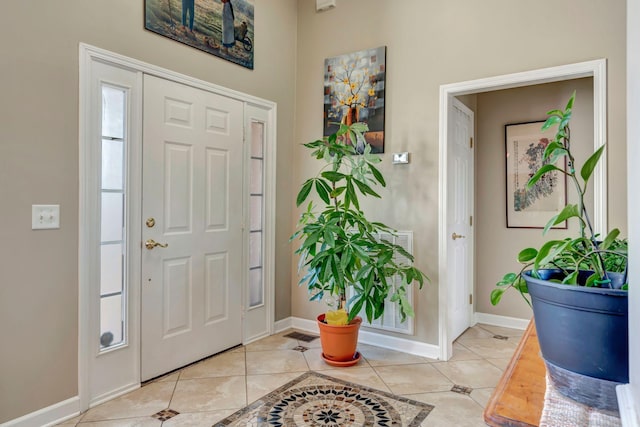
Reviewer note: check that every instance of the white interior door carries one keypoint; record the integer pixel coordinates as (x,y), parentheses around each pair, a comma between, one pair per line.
(460,212)
(192,203)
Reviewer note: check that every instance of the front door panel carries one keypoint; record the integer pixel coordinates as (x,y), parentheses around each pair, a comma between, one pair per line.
(192,197)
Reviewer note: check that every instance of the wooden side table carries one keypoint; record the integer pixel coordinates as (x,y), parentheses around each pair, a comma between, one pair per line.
(519,396)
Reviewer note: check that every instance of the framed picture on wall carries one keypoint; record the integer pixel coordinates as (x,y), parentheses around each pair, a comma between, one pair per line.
(532,207)
(354,91)
(223,28)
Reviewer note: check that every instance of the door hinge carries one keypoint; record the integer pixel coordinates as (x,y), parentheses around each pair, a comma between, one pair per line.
(471,142)
(471,221)
(470,299)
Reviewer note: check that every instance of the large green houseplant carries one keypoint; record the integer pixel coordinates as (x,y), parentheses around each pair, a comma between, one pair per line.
(341,254)
(577,286)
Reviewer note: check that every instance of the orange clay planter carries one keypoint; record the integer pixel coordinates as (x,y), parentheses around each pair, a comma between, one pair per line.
(339,342)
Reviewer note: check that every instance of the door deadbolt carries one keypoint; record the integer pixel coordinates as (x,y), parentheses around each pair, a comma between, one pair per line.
(151,222)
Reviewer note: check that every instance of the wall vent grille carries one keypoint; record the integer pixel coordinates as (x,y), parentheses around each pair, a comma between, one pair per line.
(390,320)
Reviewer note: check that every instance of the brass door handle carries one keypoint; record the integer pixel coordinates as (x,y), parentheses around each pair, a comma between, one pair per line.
(150,244)
(455,236)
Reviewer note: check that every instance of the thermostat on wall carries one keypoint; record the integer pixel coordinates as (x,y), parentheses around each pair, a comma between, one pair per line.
(399,158)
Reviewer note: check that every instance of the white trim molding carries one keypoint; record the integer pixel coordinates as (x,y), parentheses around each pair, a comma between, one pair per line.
(376,339)
(597,69)
(49,416)
(282,325)
(627,406)
(503,321)
(629,395)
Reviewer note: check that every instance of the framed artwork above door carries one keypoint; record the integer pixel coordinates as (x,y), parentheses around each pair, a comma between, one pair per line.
(223,28)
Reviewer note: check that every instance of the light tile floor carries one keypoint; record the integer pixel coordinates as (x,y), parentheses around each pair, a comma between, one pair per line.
(209,391)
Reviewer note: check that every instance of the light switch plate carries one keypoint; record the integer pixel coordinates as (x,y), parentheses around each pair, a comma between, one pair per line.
(45,217)
(400,158)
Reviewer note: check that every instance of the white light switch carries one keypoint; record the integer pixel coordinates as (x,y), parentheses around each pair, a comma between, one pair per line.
(45,216)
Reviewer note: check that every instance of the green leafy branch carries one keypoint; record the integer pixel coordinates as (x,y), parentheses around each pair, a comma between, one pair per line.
(569,255)
(340,247)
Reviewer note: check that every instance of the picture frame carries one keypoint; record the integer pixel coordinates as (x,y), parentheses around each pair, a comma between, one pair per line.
(524,148)
(354,91)
(223,28)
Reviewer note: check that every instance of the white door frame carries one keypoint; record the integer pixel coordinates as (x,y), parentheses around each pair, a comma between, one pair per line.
(596,69)
(88,211)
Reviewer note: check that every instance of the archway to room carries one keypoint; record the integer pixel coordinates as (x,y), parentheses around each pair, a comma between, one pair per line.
(593,75)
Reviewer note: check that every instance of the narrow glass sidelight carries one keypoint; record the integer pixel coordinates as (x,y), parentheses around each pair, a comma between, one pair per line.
(112,219)
(256,216)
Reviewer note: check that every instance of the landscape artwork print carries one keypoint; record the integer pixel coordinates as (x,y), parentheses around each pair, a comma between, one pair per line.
(223,28)
(354,89)
(532,207)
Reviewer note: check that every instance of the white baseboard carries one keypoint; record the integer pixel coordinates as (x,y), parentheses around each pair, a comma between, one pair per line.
(304,325)
(504,321)
(282,325)
(113,394)
(49,416)
(629,406)
(379,340)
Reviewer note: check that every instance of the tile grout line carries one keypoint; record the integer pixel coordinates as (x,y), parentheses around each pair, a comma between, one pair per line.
(175,386)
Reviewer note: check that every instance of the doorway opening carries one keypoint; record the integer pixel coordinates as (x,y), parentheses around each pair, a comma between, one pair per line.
(597,71)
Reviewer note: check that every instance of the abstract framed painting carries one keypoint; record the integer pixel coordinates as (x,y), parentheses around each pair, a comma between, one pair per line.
(532,207)
(223,28)
(354,91)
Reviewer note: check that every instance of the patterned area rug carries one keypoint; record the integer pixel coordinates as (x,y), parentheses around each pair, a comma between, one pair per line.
(314,399)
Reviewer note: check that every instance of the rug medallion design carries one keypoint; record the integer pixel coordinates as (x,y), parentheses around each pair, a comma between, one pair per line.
(315,399)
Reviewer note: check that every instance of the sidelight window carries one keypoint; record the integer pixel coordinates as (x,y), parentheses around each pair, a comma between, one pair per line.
(112,218)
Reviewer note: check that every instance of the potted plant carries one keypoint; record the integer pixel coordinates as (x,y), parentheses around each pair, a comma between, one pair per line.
(340,251)
(578,287)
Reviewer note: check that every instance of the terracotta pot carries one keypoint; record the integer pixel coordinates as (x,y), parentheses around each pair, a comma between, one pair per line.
(339,343)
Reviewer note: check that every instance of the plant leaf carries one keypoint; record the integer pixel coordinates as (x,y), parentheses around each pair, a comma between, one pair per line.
(611,237)
(351,192)
(550,122)
(571,279)
(569,211)
(548,251)
(355,309)
(590,164)
(544,169)
(365,189)
(304,192)
(496,295)
(591,280)
(322,192)
(525,256)
(554,113)
(333,176)
(377,175)
(570,102)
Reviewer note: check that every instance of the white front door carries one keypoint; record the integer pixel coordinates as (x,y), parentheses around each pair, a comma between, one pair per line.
(459,226)
(192,208)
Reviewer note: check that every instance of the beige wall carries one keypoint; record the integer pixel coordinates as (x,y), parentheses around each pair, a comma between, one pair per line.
(496,245)
(39,164)
(430,43)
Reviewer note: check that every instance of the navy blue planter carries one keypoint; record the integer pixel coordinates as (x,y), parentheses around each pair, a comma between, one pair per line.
(583,334)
